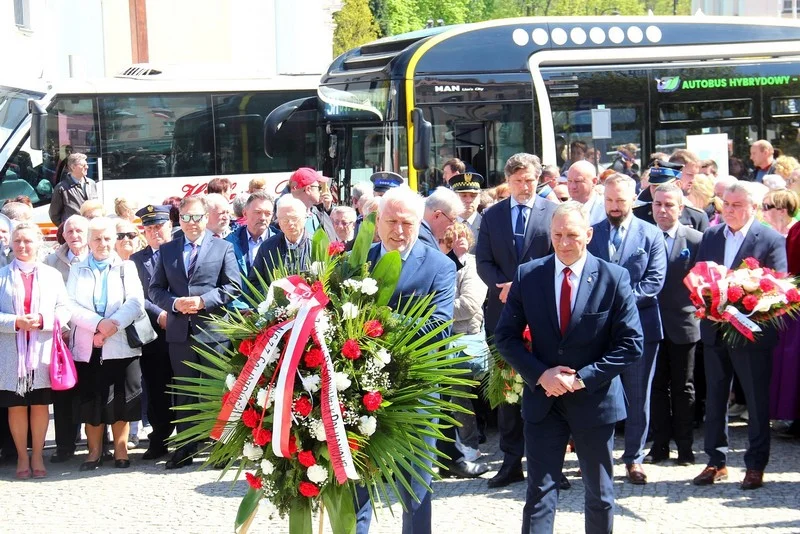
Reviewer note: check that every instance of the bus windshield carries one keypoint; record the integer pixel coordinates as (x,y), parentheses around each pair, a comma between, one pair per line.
(13,109)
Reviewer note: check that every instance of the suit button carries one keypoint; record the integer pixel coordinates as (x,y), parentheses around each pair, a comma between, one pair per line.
(561,351)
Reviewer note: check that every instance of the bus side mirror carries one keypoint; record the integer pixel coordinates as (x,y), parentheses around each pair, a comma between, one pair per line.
(276,118)
(422,139)
(38,124)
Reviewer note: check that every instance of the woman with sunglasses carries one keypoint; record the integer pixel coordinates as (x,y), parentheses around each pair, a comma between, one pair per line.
(105,297)
(779,209)
(128,239)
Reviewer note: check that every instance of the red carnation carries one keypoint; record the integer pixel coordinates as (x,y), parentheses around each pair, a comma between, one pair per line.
(750,302)
(351,350)
(336,247)
(751,263)
(246,346)
(292,444)
(261,436)
(250,418)
(793,296)
(317,286)
(314,357)
(306,458)
(303,406)
(735,293)
(372,400)
(373,328)
(767,285)
(307,489)
(255,482)
(225,396)
(353,443)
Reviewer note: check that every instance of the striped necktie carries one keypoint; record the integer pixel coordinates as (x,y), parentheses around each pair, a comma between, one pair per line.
(192,261)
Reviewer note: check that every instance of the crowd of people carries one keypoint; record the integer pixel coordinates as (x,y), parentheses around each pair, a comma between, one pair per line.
(592,263)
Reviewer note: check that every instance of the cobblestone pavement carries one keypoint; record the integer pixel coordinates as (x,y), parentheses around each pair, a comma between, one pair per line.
(148,498)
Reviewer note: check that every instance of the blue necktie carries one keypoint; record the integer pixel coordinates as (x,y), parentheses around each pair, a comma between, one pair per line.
(519,231)
(616,239)
(192,261)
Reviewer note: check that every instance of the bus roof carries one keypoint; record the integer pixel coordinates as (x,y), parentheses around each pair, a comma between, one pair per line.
(505,45)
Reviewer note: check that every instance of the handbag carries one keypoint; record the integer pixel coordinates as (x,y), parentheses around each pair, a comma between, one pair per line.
(140,332)
(63,374)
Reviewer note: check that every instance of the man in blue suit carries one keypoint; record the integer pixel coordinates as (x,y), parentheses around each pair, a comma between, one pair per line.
(194,277)
(638,247)
(425,271)
(585,331)
(742,236)
(248,238)
(512,232)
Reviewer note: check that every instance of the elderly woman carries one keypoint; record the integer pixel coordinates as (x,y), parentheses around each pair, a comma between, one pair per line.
(105,296)
(779,210)
(32,295)
(128,239)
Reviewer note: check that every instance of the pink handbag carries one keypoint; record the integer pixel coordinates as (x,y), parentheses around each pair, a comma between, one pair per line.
(62,367)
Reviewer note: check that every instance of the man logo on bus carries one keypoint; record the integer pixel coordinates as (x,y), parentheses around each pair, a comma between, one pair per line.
(668,84)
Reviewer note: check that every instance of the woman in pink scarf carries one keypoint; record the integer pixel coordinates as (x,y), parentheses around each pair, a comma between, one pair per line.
(31,296)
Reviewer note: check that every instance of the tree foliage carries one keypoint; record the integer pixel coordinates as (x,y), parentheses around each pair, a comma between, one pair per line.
(355,25)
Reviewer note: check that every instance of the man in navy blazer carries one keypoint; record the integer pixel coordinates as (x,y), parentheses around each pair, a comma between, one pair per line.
(585,331)
(638,247)
(425,271)
(742,236)
(194,277)
(248,238)
(512,232)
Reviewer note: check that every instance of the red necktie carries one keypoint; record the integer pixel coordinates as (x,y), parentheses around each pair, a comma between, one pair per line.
(565,312)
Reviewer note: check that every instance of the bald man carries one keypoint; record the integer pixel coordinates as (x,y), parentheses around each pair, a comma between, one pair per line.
(581,182)
(763,155)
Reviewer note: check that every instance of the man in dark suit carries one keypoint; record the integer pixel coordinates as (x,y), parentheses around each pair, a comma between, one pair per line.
(673,384)
(742,236)
(194,277)
(585,331)
(639,248)
(442,207)
(156,367)
(425,271)
(665,173)
(291,247)
(513,231)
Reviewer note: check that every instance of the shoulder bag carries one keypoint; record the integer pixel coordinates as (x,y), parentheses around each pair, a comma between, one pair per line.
(140,332)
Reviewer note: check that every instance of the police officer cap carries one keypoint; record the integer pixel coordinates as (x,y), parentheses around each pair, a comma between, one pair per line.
(384,180)
(151,214)
(663,172)
(467,181)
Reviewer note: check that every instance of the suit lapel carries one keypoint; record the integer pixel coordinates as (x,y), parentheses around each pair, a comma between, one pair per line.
(585,287)
(533,221)
(205,250)
(633,237)
(506,229)
(550,294)
(602,236)
(244,245)
(410,267)
(678,244)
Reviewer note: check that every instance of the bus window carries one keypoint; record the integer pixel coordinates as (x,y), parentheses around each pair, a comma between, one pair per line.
(139,135)
(23,175)
(71,127)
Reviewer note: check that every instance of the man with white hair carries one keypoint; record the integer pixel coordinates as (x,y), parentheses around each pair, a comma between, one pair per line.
(291,247)
(219,215)
(361,189)
(425,271)
(442,208)
(344,222)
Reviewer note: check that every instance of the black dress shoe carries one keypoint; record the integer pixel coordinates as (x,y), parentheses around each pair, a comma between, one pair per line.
(122,464)
(656,456)
(179,459)
(153,453)
(685,458)
(463,469)
(564,483)
(91,466)
(508,474)
(60,457)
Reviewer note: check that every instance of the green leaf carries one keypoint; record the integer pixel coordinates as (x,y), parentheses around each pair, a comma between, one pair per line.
(248,506)
(319,245)
(300,517)
(387,274)
(339,505)
(358,256)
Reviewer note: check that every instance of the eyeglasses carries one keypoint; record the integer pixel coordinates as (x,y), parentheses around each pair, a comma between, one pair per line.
(447,216)
(129,235)
(193,217)
(767,207)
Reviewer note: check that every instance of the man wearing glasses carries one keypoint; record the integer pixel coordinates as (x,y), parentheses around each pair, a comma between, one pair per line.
(73,190)
(442,208)
(194,277)
(290,248)
(344,222)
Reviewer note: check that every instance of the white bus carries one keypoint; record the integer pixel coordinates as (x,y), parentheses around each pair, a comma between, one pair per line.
(149,134)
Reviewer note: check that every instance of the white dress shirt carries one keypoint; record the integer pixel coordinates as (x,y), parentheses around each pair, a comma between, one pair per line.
(733,242)
(574,280)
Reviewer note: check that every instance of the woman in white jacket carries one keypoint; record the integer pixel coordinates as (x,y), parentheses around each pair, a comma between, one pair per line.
(105,297)
(32,295)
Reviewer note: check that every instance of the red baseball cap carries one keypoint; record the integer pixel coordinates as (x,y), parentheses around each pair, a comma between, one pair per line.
(305,176)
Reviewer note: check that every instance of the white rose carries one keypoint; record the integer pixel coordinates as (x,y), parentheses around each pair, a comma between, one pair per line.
(311,383)
(382,358)
(317,267)
(317,429)
(369,286)
(252,452)
(263,308)
(317,474)
(342,381)
(349,310)
(262,400)
(367,425)
(517,387)
(512,398)
(518,378)
(355,285)
(230,380)
(267,467)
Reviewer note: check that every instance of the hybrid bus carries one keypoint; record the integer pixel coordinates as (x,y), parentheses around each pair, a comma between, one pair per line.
(484,91)
(149,133)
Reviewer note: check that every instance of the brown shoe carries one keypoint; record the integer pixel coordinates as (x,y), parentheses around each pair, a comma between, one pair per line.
(636,474)
(710,475)
(752,479)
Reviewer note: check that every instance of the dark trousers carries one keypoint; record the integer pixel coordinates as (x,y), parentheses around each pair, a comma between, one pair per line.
(156,377)
(753,365)
(512,433)
(699,384)
(637,379)
(547,441)
(64,420)
(672,401)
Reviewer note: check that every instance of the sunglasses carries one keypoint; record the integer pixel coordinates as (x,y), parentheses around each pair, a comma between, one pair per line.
(767,207)
(196,217)
(129,235)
